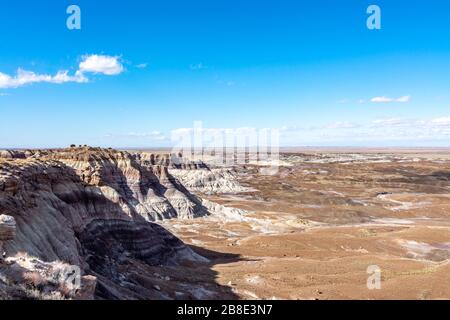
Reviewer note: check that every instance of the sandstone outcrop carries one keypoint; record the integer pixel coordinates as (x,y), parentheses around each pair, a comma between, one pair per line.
(209,181)
(142,186)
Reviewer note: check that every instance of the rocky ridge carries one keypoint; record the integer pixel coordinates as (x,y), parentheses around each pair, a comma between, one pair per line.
(93,208)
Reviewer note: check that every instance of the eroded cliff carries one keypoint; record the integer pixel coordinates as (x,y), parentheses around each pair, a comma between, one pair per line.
(93,208)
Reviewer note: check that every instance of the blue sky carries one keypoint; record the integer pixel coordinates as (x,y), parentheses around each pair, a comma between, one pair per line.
(311,69)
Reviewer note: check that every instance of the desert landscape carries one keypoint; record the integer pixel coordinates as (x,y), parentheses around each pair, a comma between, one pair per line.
(225,158)
(144,224)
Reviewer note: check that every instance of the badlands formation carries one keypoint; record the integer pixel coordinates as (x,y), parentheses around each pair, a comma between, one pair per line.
(94,209)
(142,225)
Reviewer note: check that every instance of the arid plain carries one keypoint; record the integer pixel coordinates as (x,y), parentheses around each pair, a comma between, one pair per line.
(311,230)
(314,224)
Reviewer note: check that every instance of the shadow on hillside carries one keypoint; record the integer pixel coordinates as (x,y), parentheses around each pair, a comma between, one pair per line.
(206,270)
(150,182)
(69,220)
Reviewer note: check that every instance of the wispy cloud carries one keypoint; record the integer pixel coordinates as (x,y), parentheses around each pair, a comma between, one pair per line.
(393,122)
(412,123)
(343,125)
(412,129)
(380,99)
(24,77)
(153,135)
(390,131)
(384,99)
(441,122)
(197,66)
(142,65)
(96,64)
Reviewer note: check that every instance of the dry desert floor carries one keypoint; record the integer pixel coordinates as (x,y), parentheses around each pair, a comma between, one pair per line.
(312,229)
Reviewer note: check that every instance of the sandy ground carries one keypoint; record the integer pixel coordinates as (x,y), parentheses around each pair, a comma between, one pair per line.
(313,229)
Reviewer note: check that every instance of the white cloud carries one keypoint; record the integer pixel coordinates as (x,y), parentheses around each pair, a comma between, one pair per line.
(383,99)
(107,65)
(24,77)
(393,122)
(387,132)
(343,125)
(213,132)
(441,122)
(404,99)
(435,123)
